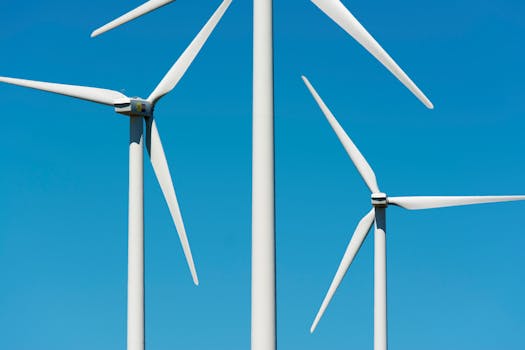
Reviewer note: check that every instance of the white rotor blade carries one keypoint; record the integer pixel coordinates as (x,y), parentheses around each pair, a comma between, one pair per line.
(179,68)
(160,167)
(340,14)
(143,9)
(359,236)
(429,202)
(92,94)
(359,161)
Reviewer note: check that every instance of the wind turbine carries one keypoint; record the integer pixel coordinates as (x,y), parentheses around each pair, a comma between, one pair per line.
(140,110)
(380,201)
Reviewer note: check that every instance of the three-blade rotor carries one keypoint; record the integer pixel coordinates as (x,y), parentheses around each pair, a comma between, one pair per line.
(344,18)
(153,141)
(412,202)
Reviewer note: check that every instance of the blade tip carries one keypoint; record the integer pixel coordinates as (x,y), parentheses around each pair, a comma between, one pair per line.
(101,30)
(424,99)
(308,85)
(194,274)
(313,327)
(305,79)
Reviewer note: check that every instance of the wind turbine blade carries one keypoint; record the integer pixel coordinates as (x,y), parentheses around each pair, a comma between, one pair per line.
(176,72)
(340,15)
(414,203)
(92,94)
(359,236)
(162,172)
(143,9)
(357,158)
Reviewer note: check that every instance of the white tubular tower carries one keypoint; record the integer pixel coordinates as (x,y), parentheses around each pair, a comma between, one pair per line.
(136,236)
(263,325)
(380,320)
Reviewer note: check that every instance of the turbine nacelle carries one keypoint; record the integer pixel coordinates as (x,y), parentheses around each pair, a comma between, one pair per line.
(134,107)
(379,200)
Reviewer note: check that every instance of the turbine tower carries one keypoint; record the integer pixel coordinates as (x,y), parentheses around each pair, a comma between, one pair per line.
(377,215)
(264,308)
(139,110)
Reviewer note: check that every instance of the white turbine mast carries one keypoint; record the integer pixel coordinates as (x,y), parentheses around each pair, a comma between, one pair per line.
(140,110)
(380,201)
(263,306)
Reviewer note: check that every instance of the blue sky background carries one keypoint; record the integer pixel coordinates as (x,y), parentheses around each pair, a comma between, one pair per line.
(455,276)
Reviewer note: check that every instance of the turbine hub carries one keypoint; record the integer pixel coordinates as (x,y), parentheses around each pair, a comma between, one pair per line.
(134,107)
(379,199)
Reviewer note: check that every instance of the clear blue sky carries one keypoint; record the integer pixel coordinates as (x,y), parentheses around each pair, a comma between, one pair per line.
(455,276)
